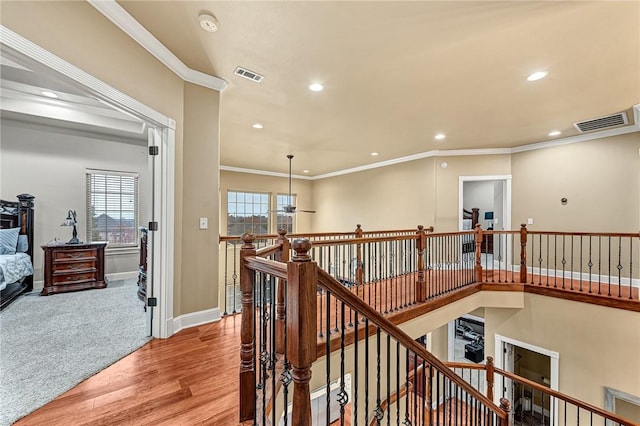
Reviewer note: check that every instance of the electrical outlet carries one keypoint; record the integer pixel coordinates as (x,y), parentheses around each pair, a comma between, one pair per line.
(204,223)
(530,221)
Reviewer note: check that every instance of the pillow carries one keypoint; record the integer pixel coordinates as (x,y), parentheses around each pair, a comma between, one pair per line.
(9,240)
(23,244)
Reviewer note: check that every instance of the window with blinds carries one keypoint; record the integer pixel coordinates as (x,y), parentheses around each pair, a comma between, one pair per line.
(112,208)
(247,212)
(285,220)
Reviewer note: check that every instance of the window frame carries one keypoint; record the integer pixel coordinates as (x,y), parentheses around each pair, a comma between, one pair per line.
(267,221)
(280,207)
(90,179)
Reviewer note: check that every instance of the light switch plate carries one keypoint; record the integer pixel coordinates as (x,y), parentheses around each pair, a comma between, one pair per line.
(204,223)
(530,221)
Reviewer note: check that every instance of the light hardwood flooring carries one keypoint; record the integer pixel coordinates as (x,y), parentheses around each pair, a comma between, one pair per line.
(188,379)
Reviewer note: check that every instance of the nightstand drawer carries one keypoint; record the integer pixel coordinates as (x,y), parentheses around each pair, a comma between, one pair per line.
(73,277)
(80,254)
(63,268)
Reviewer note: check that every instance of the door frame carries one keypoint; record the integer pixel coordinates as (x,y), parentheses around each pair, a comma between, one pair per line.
(163,191)
(554,357)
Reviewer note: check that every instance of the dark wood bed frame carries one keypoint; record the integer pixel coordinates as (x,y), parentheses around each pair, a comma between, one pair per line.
(14,214)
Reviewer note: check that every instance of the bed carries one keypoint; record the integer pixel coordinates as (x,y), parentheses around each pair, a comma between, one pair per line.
(469,220)
(16,264)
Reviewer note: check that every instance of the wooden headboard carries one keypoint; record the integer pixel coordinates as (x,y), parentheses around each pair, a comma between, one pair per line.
(474,215)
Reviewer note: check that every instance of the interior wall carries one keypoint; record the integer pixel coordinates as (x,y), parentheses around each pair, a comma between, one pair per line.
(201,153)
(79,34)
(599,178)
(594,343)
(50,163)
(399,196)
(302,189)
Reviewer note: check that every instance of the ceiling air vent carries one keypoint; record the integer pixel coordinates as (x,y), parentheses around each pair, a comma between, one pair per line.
(253,76)
(602,122)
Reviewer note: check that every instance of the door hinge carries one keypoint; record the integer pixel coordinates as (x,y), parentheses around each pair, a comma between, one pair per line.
(153,226)
(152,301)
(154,150)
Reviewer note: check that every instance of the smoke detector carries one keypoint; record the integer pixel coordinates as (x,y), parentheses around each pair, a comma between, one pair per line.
(208,22)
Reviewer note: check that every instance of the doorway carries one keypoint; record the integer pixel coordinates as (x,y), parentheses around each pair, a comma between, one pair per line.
(492,196)
(531,362)
(161,166)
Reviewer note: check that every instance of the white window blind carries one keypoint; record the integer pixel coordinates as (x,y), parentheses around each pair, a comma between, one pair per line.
(112,208)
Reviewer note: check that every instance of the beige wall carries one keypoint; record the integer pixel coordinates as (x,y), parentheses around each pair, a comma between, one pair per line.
(595,344)
(393,197)
(599,178)
(79,34)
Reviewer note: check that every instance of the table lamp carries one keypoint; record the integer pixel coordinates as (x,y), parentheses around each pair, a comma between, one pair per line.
(72,220)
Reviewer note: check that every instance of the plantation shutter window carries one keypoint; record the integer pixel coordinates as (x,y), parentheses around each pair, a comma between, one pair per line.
(112,208)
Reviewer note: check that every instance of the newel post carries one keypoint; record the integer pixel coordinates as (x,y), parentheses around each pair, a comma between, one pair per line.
(247,332)
(523,253)
(302,279)
(421,285)
(490,374)
(281,256)
(478,236)
(505,406)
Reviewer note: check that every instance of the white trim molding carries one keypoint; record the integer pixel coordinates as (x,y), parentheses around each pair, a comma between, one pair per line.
(122,276)
(123,20)
(194,319)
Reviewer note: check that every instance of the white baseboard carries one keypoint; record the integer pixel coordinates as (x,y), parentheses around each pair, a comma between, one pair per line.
(122,276)
(193,319)
(38,285)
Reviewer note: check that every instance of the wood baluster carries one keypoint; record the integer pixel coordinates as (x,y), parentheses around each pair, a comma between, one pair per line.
(478,236)
(302,279)
(523,253)
(247,332)
(421,285)
(281,256)
(490,379)
(359,273)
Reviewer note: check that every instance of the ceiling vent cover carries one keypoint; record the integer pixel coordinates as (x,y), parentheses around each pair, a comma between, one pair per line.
(253,76)
(602,122)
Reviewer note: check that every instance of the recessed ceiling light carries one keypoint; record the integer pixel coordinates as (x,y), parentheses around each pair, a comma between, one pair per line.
(316,87)
(208,22)
(440,136)
(305,171)
(555,133)
(257,126)
(373,154)
(49,94)
(538,75)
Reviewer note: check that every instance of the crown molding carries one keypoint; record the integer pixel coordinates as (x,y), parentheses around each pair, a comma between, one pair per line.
(121,18)
(263,172)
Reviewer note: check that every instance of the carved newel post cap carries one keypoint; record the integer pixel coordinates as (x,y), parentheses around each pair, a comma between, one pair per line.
(505,404)
(248,238)
(420,228)
(301,247)
(523,225)
(282,232)
(358,226)
(489,360)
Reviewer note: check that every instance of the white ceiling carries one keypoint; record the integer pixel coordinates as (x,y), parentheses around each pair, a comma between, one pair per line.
(397,73)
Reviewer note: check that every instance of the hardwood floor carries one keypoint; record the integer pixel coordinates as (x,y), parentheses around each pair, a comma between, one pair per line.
(188,379)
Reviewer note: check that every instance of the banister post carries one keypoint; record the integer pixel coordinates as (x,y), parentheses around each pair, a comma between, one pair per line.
(247,332)
(478,236)
(359,275)
(421,285)
(505,406)
(302,279)
(490,374)
(281,256)
(523,253)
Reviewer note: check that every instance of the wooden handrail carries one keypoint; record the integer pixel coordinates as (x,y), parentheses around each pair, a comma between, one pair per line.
(344,295)
(275,268)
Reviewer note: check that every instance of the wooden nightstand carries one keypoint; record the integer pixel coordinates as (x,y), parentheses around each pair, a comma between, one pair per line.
(72,267)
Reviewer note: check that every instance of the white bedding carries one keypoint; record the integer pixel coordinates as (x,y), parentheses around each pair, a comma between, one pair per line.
(13,267)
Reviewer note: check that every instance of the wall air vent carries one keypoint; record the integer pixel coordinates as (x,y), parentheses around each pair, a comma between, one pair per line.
(602,122)
(253,76)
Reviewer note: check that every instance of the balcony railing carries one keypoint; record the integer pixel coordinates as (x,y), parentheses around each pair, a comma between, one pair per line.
(328,314)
